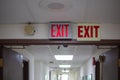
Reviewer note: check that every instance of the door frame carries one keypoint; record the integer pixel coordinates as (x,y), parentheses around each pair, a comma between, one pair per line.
(119,63)
(57,42)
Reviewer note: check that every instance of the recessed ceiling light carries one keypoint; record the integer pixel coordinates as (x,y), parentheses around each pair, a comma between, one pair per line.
(64,66)
(56,5)
(65,71)
(63,57)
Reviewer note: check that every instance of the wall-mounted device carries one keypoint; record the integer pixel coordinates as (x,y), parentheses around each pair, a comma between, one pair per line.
(29,29)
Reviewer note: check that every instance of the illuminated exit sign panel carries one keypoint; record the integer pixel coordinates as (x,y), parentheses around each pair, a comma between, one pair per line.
(88,32)
(60,31)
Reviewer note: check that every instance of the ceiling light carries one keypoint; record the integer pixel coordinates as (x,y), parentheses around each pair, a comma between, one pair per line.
(62,5)
(55,5)
(63,57)
(64,66)
(65,71)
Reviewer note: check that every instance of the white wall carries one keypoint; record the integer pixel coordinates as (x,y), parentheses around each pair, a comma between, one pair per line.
(41,71)
(110,31)
(87,68)
(31,61)
(16,31)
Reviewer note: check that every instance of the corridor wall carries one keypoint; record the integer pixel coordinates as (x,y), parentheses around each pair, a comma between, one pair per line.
(88,68)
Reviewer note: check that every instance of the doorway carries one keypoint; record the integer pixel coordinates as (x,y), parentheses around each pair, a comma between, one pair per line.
(25,70)
(97,71)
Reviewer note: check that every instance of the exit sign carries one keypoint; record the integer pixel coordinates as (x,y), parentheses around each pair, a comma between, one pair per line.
(88,32)
(60,31)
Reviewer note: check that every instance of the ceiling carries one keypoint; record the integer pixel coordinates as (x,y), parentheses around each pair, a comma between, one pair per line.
(43,11)
(45,53)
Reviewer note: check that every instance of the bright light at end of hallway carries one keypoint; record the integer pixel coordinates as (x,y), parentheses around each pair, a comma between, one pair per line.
(63,57)
(64,66)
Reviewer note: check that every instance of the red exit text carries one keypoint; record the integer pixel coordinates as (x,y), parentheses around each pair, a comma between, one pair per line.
(60,30)
(88,31)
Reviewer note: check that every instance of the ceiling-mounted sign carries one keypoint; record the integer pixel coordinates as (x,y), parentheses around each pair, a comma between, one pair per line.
(88,32)
(60,31)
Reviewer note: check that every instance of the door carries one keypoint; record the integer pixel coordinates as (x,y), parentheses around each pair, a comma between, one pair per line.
(119,65)
(13,65)
(1,63)
(110,66)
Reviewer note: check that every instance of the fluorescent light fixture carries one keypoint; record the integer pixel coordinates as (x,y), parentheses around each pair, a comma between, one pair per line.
(65,71)
(63,57)
(64,66)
